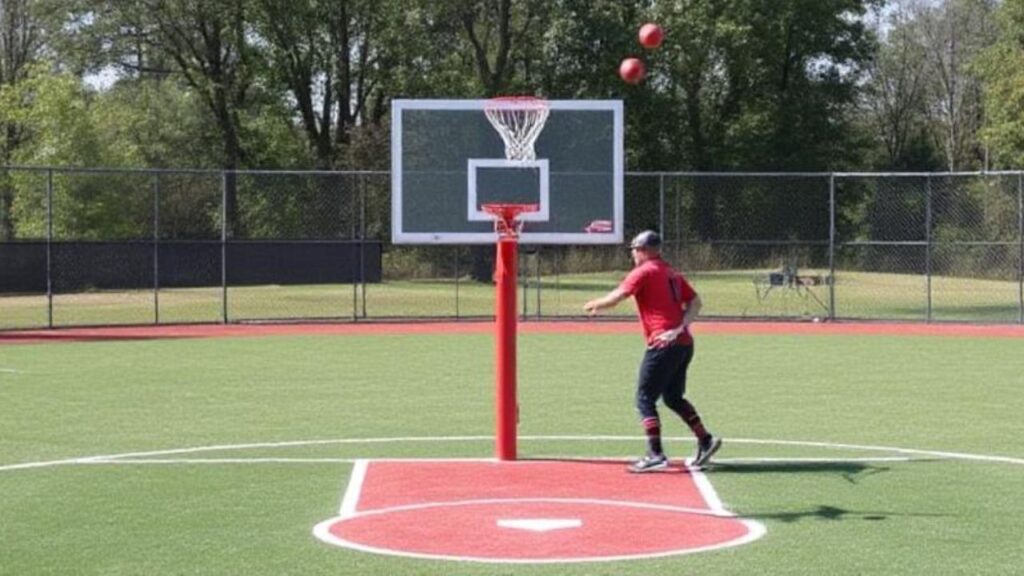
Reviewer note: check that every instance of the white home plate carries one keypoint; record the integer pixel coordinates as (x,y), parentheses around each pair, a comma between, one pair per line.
(539,524)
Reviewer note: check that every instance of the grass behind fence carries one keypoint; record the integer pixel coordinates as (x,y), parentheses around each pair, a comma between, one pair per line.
(740,293)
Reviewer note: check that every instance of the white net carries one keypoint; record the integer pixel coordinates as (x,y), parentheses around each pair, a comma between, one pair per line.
(519,120)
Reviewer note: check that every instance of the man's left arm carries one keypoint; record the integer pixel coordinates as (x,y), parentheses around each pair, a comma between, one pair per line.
(689,315)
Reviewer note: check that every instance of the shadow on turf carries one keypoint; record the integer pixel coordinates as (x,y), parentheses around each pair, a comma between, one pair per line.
(849,470)
(852,472)
(833,513)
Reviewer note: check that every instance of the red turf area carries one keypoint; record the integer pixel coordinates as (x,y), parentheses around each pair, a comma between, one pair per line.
(469,510)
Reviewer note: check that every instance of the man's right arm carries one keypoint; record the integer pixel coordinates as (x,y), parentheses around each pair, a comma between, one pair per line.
(609,300)
(627,288)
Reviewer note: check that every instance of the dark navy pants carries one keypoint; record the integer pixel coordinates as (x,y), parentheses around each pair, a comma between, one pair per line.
(663,375)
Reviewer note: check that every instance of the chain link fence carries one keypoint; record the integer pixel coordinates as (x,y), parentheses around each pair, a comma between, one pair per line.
(103,246)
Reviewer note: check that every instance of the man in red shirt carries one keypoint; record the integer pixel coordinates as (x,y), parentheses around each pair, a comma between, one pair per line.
(667,305)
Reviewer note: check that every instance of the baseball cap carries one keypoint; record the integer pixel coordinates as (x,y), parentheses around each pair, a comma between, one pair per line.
(646,239)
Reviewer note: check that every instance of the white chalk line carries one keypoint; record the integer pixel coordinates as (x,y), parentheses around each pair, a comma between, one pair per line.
(540,459)
(755,530)
(136,457)
(710,511)
(352,491)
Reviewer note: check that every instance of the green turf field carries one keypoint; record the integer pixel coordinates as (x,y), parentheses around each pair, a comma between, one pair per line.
(931,514)
(858,295)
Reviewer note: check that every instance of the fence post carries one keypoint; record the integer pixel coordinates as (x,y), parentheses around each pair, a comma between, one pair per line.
(457,274)
(224,246)
(49,248)
(353,234)
(661,205)
(362,244)
(832,246)
(928,242)
(1020,237)
(539,261)
(557,271)
(679,209)
(156,248)
(524,274)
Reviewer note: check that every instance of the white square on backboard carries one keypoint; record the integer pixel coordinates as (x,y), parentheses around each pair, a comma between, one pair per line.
(477,215)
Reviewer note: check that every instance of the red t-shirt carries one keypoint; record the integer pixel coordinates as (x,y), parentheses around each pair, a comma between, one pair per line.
(661,296)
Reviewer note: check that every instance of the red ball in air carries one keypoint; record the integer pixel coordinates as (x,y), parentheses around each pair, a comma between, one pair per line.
(651,36)
(632,70)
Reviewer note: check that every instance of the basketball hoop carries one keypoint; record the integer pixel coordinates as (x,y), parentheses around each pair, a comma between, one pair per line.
(519,120)
(506,217)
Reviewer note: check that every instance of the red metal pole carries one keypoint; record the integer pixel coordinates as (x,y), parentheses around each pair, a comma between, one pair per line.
(505,347)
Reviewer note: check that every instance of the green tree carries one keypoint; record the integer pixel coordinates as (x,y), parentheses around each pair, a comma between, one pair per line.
(207,45)
(1001,67)
(955,33)
(583,44)
(798,68)
(56,113)
(327,55)
(21,44)
(52,110)
(759,85)
(896,93)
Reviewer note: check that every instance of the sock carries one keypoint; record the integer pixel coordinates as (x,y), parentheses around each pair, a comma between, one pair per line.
(692,420)
(652,427)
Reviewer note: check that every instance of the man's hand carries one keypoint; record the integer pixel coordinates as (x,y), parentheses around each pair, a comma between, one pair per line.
(668,337)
